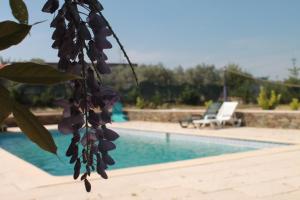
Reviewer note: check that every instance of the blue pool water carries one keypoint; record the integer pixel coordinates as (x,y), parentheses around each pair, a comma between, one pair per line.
(134,148)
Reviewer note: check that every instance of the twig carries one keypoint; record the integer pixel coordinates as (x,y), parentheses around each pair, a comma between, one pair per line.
(121,46)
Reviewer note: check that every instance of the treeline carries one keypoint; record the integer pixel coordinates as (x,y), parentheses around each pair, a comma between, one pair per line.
(160,86)
(194,86)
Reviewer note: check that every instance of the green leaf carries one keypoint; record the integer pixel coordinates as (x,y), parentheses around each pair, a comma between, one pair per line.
(34,73)
(19,10)
(5,104)
(27,122)
(12,33)
(34,130)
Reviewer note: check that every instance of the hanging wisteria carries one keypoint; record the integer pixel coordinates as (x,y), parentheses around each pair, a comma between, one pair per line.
(81,32)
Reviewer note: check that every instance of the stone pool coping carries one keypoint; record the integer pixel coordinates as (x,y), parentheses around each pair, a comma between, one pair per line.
(37,183)
(288,136)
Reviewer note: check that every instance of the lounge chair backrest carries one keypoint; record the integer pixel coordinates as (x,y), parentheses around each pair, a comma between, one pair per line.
(226,111)
(213,109)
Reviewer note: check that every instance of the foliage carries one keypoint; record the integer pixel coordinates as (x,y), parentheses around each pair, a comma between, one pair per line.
(178,81)
(294,72)
(188,86)
(190,96)
(34,73)
(37,60)
(203,75)
(294,79)
(40,95)
(268,103)
(140,103)
(208,103)
(165,106)
(166,85)
(19,10)
(240,86)
(80,36)
(157,99)
(294,105)
(152,105)
(12,33)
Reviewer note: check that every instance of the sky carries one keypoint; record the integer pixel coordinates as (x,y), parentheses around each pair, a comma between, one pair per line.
(262,36)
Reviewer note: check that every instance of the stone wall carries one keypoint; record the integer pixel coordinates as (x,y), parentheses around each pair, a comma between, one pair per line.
(251,118)
(46,119)
(270,119)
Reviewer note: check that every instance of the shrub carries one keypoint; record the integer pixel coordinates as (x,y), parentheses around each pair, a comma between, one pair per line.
(190,96)
(208,103)
(165,106)
(140,103)
(294,105)
(152,105)
(156,99)
(268,103)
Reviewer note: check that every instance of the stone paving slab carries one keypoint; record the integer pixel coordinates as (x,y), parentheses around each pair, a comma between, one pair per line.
(256,175)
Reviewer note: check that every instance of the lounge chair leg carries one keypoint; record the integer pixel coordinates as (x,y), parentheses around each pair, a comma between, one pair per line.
(194,125)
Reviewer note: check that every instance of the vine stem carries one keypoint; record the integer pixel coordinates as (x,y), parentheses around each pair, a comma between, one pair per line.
(118,41)
(94,66)
(85,97)
(121,46)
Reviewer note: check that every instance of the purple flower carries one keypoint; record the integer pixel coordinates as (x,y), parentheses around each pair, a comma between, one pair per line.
(67,125)
(50,6)
(90,136)
(74,39)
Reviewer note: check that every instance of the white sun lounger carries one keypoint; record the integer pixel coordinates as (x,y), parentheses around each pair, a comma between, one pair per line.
(225,114)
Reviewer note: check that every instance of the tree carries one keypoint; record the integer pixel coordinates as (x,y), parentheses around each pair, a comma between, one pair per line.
(294,79)
(240,83)
(37,60)
(294,73)
(203,75)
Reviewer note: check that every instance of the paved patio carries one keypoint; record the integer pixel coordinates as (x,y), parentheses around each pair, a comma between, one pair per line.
(268,174)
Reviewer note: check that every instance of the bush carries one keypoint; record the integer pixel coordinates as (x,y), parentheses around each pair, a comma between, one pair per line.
(208,103)
(152,105)
(268,103)
(156,99)
(190,96)
(294,105)
(165,106)
(140,103)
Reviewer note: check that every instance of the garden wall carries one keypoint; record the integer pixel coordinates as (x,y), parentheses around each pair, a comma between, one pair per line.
(251,118)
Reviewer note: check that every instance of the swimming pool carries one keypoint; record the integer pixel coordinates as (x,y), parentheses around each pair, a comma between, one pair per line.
(134,148)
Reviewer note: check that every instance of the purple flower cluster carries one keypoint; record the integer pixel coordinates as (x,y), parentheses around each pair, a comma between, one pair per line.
(77,38)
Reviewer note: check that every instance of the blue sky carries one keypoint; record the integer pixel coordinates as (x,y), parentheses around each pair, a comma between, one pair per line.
(260,35)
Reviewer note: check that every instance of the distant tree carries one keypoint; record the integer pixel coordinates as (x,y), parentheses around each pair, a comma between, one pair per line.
(194,85)
(293,78)
(203,74)
(294,70)
(294,73)
(190,96)
(37,60)
(240,83)
(179,75)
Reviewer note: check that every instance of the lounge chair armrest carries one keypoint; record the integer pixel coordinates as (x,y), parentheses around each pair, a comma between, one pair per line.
(196,116)
(211,116)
